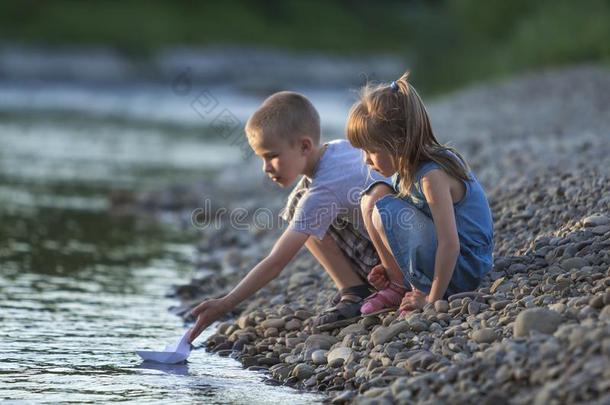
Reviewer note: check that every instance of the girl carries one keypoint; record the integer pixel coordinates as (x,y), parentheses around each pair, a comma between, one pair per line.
(433,231)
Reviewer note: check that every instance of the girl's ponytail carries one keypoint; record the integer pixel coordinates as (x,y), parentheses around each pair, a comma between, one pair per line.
(394,117)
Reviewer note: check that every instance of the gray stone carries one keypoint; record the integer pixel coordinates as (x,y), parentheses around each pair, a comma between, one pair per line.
(484,335)
(354,328)
(319,357)
(441,306)
(536,319)
(597,301)
(339,356)
(400,385)
(277,323)
(302,314)
(300,279)
(601,229)
(344,397)
(498,305)
(302,371)
(558,307)
(417,325)
(596,220)
(474,307)
(293,324)
(281,371)
(420,359)
(316,342)
(383,333)
(574,263)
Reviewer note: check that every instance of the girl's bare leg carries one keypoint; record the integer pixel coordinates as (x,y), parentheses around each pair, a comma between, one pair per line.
(374,227)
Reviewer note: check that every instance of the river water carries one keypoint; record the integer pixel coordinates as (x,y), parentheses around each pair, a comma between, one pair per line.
(82,288)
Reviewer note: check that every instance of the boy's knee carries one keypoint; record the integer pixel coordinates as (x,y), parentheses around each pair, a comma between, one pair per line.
(368,200)
(319,244)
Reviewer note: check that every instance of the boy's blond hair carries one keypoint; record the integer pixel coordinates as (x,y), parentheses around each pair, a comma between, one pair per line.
(285,115)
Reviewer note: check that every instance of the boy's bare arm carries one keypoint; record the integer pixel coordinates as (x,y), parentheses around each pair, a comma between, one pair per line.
(286,247)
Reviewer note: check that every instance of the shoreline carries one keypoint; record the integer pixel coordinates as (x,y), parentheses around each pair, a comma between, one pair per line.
(537,329)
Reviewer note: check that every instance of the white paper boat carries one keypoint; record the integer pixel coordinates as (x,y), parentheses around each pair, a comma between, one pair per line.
(174,353)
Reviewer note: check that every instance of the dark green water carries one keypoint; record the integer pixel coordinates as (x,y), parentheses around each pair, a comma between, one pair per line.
(81,288)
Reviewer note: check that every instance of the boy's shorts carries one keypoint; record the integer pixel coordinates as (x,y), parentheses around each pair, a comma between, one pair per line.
(357,247)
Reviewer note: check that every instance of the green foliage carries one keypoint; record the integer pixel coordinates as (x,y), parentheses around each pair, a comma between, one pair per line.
(447,42)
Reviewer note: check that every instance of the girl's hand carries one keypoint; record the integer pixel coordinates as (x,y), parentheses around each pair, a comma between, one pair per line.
(413,300)
(207,312)
(378,278)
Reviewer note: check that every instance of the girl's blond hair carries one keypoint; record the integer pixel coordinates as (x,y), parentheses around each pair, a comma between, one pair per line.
(393,117)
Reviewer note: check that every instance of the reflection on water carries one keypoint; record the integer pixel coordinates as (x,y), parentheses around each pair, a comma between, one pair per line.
(82,289)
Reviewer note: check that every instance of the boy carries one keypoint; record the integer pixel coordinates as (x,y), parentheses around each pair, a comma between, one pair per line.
(323,209)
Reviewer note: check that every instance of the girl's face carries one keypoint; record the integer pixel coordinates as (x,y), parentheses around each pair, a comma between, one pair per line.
(380,160)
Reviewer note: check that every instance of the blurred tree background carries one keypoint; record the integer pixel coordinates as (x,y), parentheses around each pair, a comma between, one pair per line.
(448,43)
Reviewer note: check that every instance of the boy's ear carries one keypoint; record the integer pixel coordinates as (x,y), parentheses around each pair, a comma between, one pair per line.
(306,144)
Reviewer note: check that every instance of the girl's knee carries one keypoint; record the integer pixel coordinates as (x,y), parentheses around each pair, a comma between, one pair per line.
(368,200)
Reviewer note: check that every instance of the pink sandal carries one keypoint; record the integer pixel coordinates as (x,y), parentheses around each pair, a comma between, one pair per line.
(383,300)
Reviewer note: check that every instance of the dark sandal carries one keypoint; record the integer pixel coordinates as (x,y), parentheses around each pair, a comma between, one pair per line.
(342,314)
(348,291)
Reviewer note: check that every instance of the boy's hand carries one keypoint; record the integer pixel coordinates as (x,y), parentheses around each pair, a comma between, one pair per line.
(378,278)
(283,251)
(207,312)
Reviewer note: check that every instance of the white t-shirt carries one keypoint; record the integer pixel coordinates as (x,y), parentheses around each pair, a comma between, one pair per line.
(335,190)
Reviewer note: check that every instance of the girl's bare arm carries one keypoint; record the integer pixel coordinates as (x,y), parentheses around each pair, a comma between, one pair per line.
(436,188)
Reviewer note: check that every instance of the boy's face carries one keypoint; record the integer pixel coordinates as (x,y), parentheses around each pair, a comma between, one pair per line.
(380,160)
(282,162)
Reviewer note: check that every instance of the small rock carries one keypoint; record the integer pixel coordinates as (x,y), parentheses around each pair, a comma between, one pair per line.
(302,314)
(604,315)
(383,333)
(339,356)
(441,306)
(354,328)
(601,229)
(319,357)
(421,359)
(559,307)
(574,263)
(597,302)
(417,325)
(596,220)
(277,323)
(316,342)
(473,307)
(496,284)
(498,305)
(344,398)
(484,335)
(272,332)
(536,319)
(470,294)
(303,371)
(244,321)
(293,324)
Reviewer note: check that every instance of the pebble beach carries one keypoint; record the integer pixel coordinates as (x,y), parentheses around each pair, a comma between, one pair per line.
(537,330)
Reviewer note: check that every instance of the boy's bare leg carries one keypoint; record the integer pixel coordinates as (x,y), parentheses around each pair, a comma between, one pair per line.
(374,226)
(334,261)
